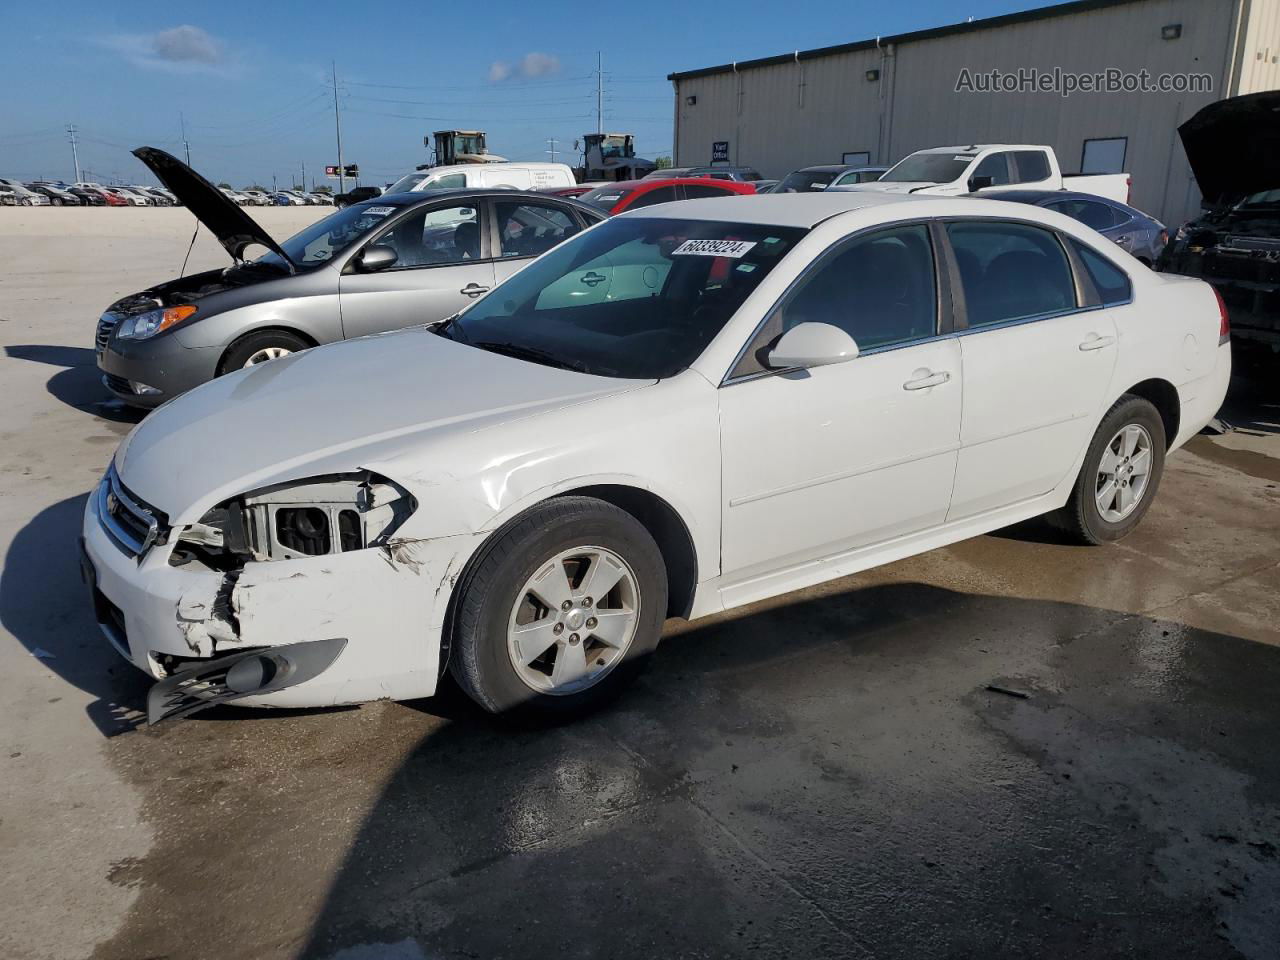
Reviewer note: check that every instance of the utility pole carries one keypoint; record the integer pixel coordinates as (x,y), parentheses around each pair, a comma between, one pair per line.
(552,141)
(185,146)
(599,92)
(75,157)
(337,127)
(304,176)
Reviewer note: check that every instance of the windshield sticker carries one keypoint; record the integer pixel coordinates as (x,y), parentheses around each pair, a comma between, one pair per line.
(378,211)
(713,248)
(746,267)
(964,159)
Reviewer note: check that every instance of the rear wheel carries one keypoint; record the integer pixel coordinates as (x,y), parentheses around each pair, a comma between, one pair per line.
(1120,476)
(256,348)
(561,612)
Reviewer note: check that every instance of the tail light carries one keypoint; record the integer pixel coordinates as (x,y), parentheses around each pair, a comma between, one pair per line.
(1224,328)
(1128,190)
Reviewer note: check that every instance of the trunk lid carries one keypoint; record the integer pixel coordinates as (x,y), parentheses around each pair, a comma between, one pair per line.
(234,228)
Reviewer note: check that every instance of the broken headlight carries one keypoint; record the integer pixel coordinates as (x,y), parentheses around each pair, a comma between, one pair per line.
(309,518)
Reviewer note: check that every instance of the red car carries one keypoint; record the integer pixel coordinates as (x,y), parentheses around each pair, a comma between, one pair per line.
(630,194)
(114,199)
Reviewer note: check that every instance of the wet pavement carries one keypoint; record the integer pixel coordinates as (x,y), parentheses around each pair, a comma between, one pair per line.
(1011,747)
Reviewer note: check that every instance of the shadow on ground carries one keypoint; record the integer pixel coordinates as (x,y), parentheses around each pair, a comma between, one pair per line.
(891,771)
(79,383)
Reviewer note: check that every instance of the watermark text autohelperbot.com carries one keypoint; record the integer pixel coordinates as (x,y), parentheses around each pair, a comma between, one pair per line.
(1065,82)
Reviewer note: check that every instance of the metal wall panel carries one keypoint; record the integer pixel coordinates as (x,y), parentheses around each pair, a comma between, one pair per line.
(786,115)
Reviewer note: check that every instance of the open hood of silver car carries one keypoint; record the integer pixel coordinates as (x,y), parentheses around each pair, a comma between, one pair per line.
(234,228)
(1233,146)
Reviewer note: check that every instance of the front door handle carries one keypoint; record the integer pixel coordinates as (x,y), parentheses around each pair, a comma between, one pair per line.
(929,380)
(473,290)
(1095,342)
(592,279)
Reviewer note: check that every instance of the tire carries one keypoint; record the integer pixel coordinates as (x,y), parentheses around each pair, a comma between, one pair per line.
(495,593)
(1083,518)
(240,353)
(56,202)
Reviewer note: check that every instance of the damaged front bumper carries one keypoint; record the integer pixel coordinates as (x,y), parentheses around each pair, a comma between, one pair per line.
(388,603)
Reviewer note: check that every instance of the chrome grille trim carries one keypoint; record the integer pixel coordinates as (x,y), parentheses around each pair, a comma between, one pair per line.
(107,324)
(132,526)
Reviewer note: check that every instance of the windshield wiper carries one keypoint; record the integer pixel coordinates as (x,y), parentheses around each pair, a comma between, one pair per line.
(532,354)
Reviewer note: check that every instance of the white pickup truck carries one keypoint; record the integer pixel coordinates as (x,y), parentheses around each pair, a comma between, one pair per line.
(991,168)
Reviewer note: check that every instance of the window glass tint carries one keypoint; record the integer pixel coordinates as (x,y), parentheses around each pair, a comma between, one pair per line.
(329,236)
(929,168)
(406,183)
(996,167)
(528,229)
(1010,271)
(434,235)
(1099,216)
(605,198)
(447,182)
(696,191)
(878,288)
(1032,165)
(1111,282)
(632,297)
(660,195)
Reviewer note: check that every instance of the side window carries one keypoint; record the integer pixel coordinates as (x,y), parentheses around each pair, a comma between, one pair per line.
(660,195)
(1111,282)
(529,229)
(996,167)
(879,288)
(434,235)
(447,182)
(1010,271)
(1032,165)
(696,191)
(1090,213)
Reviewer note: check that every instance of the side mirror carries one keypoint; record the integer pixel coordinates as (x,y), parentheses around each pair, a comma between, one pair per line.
(978,183)
(812,345)
(376,257)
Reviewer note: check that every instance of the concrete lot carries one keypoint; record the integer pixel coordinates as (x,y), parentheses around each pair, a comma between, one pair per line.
(826,774)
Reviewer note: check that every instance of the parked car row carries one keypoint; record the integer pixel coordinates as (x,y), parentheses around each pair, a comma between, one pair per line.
(45,193)
(592,416)
(279,198)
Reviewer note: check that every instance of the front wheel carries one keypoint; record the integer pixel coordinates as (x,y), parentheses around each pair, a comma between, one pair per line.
(1120,476)
(256,348)
(561,611)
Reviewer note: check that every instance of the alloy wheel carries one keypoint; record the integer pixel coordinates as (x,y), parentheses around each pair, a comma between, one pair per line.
(1123,473)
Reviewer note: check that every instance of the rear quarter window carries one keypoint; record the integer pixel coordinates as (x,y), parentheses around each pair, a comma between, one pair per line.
(1111,282)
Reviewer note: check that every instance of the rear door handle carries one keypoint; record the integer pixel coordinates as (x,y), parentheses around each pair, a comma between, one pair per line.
(473,290)
(931,380)
(1095,342)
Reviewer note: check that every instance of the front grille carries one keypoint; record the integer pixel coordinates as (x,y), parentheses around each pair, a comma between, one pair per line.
(107,324)
(1241,267)
(131,523)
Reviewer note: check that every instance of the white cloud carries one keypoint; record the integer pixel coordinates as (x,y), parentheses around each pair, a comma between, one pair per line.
(531,65)
(183,48)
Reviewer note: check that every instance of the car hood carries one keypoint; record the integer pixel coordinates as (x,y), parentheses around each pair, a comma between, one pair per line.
(234,228)
(1233,146)
(333,409)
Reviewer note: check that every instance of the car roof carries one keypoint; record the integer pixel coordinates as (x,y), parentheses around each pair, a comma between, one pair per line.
(1040,196)
(412,198)
(780,209)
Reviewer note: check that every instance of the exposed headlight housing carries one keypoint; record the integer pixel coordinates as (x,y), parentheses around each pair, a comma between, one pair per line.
(309,518)
(148,324)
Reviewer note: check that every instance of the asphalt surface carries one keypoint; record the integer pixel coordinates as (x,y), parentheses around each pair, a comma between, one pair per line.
(1009,747)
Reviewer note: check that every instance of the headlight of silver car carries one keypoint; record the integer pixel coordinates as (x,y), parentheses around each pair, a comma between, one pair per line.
(308,518)
(148,324)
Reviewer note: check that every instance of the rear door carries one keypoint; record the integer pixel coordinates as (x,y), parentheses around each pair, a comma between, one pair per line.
(523,229)
(1037,357)
(444,261)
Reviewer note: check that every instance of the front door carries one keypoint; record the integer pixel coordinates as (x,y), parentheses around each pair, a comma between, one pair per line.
(525,229)
(822,461)
(1036,365)
(442,264)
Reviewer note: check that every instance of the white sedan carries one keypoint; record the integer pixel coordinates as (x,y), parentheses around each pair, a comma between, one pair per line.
(679,411)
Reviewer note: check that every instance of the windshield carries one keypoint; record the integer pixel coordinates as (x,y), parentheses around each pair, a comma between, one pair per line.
(805,182)
(637,297)
(1267,199)
(929,168)
(406,183)
(326,238)
(605,198)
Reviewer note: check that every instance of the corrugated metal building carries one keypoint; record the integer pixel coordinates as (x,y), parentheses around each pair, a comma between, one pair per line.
(878,100)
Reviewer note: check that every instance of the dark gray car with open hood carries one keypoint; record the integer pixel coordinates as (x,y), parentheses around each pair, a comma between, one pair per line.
(391,262)
(1233,147)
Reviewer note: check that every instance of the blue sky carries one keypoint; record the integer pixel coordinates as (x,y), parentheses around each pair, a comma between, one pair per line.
(252,79)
